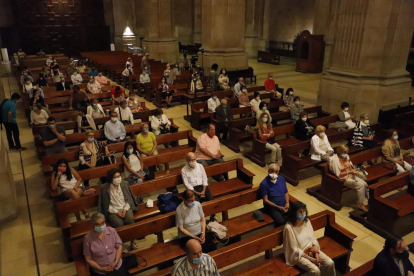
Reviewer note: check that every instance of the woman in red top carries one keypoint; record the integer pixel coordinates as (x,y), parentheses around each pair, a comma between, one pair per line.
(117,95)
(266,135)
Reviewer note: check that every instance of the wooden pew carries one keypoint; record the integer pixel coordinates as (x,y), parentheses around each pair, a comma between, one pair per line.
(386,118)
(182,90)
(363,270)
(268,57)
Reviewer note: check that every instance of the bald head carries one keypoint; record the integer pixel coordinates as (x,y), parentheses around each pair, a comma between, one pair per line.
(241,80)
(193,249)
(190,156)
(224,102)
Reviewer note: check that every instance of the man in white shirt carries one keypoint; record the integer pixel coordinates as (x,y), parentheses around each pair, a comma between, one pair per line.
(114,129)
(128,71)
(213,102)
(237,87)
(76,78)
(93,86)
(144,77)
(124,113)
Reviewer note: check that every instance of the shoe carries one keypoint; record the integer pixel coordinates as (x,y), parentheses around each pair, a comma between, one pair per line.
(12,148)
(21,148)
(167,106)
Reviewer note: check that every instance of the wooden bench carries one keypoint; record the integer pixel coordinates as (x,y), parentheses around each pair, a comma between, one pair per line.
(386,118)
(181,88)
(363,270)
(268,57)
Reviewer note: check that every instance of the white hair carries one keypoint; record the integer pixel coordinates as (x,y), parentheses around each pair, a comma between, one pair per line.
(96,216)
(274,166)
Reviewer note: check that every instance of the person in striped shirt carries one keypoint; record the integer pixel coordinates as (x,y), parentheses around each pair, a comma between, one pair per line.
(195,263)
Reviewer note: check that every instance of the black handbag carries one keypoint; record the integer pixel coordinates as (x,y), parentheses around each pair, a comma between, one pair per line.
(164,130)
(149,175)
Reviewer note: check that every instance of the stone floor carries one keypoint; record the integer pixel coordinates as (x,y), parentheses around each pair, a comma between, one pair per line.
(18,256)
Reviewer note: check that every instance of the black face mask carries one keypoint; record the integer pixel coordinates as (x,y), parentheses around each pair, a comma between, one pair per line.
(403,255)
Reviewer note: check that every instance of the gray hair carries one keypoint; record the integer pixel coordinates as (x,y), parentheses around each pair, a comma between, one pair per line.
(274,166)
(363,116)
(96,216)
(88,131)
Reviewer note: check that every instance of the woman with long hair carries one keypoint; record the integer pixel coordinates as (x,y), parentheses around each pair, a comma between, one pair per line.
(266,135)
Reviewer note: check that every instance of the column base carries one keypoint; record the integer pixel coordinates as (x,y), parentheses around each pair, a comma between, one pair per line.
(166,51)
(365,95)
(236,60)
(252,46)
(263,44)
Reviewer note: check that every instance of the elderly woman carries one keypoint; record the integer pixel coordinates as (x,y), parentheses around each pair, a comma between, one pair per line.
(146,141)
(289,98)
(320,146)
(345,117)
(102,248)
(133,166)
(223,80)
(341,166)
(304,129)
(362,136)
(160,123)
(89,153)
(191,222)
(133,103)
(85,121)
(300,245)
(266,135)
(295,109)
(117,202)
(393,153)
(38,116)
(263,109)
(68,181)
(243,97)
(95,110)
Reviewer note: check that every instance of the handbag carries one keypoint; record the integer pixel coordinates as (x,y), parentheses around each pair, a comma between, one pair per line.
(362,172)
(164,130)
(110,159)
(168,203)
(219,232)
(389,165)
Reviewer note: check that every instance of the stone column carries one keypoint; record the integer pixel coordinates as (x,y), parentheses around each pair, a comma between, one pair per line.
(196,21)
(159,37)
(253,19)
(369,54)
(123,16)
(265,24)
(223,34)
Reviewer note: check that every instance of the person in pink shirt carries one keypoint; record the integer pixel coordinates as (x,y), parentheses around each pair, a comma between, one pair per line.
(208,151)
(101,79)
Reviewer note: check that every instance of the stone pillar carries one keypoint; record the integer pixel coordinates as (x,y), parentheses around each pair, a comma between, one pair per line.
(369,54)
(253,20)
(223,34)
(123,16)
(196,21)
(265,24)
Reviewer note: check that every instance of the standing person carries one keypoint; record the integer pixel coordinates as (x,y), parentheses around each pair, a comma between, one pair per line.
(166,94)
(79,98)
(169,75)
(266,135)
(114,129)
(185,62)
(53,138)
(270,86)
(145,62)
(213,77)
(8,109)
(224,115)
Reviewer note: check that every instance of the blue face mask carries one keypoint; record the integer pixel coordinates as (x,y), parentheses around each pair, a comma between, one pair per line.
(145,131)
(130,151)
(100,229)
(191,204)
(301,216)
(264,108)
(91,139)
(395,137)
(51,126)
(344,155)
(198,260)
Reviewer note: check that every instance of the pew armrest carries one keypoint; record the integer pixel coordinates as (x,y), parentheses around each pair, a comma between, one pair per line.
(340,234)
(244,174)
(174,128)
(81,267)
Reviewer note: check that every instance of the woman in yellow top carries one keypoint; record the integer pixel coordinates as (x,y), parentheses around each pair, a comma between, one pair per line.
(147,143)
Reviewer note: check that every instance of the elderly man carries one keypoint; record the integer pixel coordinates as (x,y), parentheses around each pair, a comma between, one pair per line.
(93,86)
(270,85)
(224,115)
(71,69)
(114,129)
(237,87)
(275,195)
(101,79)
(102,248)
(208,150)
(195,262)
(53,138)
(124,113)
(76,78)
(213,102)
(144,77)
(145,62)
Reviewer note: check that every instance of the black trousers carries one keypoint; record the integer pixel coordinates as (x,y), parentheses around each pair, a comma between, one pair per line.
(277,215)
(122,271)
(208,195)
(223,128)
(207,246)
(369,144)
(99,163)
(12,133)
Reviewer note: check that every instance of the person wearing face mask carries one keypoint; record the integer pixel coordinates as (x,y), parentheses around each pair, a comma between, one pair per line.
(296,109)
(129,62)
(166,93)
(300,245)
(102,248)
(124,114)
(160,123)
(53,138)
(144,77)
(117,95)
(263,109)
(68,181)
(145,62)
(8,109)
(36,98)
(304,129)
(195,262)
(271,86)
(63,85)
(237,87)
(213,102)
(76,78)
(341,166)
(213,77)
(133,103)
(197,69)
(196,84)
(71,69)
(93,72)
(363,136)
(275,195)
(25,77)
(101,79)
(345,117)
(255,102)
(93,86)
(169,75)
(223,80)
(147,144)
(393,259)
(224,115)
(133,165)
(127,71)
(288,99)
(38,116)
(243,97)
(191,223)
(85,121)
(42,81)
(95,110)
(114,129)
(320,147)
(79,98)
(266,135)
(394,154)
(176,70)
(57,75)
(117,202)
(49,61)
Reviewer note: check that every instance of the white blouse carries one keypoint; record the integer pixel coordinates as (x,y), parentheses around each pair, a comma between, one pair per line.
(40,119)
(134,163)
(64,184)
(155,123)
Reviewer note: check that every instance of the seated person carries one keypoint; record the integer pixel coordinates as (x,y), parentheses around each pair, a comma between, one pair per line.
(56,75)
(95,110)
(63,85)
(42,81)
(223,80)
(147,70)
(255,102)
(394,259)
(270,86)
(93,86)
(304,129)
(117,201)
(71,69)
(275,195)
(196,84)
(102,248)
(68,181)
(114,129)
(76,78)
(45,72)
(37,99)
(93,72)
(266,135)
(169,75)
(124,114)
(160,123)
(133,103)
(195,261)
(300,245)
(176,70)
(320,146)
(263,109)
(208,151)
(288,100)
(213,102)
(38,116)
(146,141)
(27,86)
(198,70)
(164,88)
(341,166)
(362,136)
(191,223)
(85,121)
(49,61)
(133,165)
(26,76)
(79,98)
(237,87)
(41,53)
(144,77)
(223,115)
(244,98)
(117,95)
(53,138)
(296,109)
(393,153)
(101,79)
(36,91)
(345,117)
(128,71)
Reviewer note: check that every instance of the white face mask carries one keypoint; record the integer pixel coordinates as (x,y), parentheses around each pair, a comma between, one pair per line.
(346,109)
(322,134)
(117,181)
(304,119)
(297,102)
(258,98)
(270,78)
(367,122)
(114,119)
(192,164)
(265,120)
(273,176)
